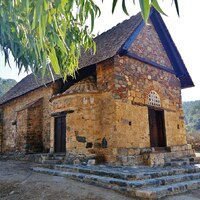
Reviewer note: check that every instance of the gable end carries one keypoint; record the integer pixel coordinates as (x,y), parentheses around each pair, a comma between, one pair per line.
(179,68)
(171,50)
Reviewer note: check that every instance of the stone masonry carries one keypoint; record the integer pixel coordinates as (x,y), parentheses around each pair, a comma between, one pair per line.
(113,109)
(105,113)
(133,82)
(151,47)
(29,128)
(116,110)
(21,120)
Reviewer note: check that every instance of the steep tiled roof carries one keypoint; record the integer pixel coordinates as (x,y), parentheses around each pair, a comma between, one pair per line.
(108,43)
(27,84)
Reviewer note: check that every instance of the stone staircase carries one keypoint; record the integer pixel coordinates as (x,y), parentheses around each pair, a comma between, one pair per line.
(139,181)
(154,156)
(171,158)
(180,161)
(52,158)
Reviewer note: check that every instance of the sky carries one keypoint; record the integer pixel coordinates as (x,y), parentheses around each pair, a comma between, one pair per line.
(184,31)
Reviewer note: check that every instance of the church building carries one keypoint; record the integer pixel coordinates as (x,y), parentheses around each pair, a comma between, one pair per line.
(124,107)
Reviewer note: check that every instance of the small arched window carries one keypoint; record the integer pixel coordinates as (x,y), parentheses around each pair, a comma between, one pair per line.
(154,99)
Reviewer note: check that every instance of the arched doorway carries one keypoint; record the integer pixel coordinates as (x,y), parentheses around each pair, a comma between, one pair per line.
(156,121)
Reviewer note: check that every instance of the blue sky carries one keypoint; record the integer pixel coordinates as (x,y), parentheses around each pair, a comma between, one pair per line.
(184,30)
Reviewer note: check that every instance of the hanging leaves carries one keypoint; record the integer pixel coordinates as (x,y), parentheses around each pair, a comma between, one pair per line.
(176,5)
(124,7)
(157,7)
(114,5)
(145,6)
(40,32)
(51,33)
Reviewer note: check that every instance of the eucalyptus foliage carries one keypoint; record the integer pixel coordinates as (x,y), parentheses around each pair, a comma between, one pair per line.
(145,6)
(40,32)
(50,34)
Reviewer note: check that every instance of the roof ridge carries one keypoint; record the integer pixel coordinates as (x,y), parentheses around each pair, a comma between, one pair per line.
(118,24)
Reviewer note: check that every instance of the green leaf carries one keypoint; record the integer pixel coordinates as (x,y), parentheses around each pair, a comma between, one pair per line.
(94,48)
(145,9)
(157,7)
(177,7)
(60,43)
(124,7)
(38,10)
(87,6)
(54,60)
(114,5)
(69,6)
(38,30)
(92,20)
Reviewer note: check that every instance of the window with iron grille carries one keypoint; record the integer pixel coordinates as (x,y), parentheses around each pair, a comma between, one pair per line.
(154,99)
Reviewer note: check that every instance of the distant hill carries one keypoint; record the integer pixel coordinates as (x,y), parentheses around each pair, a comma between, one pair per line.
(192,115)
(5,85)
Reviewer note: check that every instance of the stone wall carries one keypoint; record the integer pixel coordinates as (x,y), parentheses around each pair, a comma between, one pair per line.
(130,82)
(83,126)
(34,127)
(86,125)
(105,75)
(107,115)
(148,45)
(132,127)
(105,84)
(29,128)
(20,130)
(11,111)
(118,111)
(133,82)
(90,119)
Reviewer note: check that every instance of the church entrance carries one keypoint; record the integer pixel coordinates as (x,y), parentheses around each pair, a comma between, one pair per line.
(157,128)
(60,134)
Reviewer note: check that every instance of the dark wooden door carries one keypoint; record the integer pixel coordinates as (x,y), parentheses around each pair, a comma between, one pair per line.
(60,134)
(157,128)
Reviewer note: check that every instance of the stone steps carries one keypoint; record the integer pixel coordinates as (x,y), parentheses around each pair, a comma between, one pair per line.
(167,190)
(148,184)
(194,159)
(127,175)
(53,158)
(51,161)
(177,163)
(181,161)
(164,180)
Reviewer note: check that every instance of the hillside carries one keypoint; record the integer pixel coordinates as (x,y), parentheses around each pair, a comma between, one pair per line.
(192,115)
(5,85)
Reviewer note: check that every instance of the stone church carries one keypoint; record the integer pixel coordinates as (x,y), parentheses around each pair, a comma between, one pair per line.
(124,107)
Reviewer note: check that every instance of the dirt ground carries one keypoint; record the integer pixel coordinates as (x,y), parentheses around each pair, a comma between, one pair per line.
(18,182)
